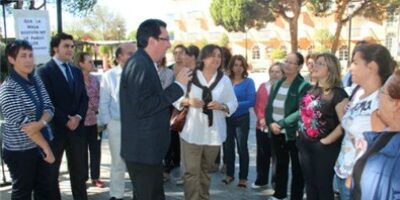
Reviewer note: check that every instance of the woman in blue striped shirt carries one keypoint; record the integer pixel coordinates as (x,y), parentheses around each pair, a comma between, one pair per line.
(26,108)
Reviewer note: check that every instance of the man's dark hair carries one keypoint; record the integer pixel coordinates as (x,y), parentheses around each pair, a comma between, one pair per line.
(118,52)
(56,40)
(300,58)
(193,50)
(180,46)
(148,28)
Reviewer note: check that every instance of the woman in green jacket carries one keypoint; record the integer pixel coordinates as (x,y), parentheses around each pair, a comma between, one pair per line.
(282,116)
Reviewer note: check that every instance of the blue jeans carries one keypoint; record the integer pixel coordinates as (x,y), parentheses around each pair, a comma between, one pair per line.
(345,193)
(237,129)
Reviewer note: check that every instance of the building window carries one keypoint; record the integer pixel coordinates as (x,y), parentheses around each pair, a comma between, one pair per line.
(343,53)
(389,41)
(255,53)
(391,19)
(268,51)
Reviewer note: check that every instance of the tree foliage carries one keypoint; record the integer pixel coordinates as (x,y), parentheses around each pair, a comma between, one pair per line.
(240,15)
(3,62)
(278,54)
(376,10)
(75,7)
(105,25)
(79,7)
(224,41)
(323,40)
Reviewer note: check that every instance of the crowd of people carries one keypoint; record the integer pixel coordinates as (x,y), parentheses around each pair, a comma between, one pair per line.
(337,139)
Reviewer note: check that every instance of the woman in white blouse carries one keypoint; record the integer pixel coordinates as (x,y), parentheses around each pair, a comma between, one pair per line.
(211,99)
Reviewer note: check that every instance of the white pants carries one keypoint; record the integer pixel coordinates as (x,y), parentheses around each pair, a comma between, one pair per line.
(118,167)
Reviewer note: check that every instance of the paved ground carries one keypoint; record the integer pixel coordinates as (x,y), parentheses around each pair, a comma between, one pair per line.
(173,192)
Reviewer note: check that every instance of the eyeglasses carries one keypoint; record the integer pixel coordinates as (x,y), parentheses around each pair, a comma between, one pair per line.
(163,39)
(290,63)
(320,64)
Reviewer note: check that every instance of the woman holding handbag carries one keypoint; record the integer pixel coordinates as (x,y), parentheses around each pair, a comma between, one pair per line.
(210,100)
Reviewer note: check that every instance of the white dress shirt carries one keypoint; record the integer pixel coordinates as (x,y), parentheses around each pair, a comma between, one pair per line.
(109,95)
(62,68)
(196,129)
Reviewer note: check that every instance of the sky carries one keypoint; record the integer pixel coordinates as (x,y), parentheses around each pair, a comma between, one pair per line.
(133,11)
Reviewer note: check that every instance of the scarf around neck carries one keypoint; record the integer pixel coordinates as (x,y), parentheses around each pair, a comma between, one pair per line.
(206,93)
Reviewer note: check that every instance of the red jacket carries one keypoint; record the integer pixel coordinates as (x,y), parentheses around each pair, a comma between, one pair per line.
(261,103)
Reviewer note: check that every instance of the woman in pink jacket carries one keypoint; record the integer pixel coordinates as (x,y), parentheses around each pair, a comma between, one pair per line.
(263,142)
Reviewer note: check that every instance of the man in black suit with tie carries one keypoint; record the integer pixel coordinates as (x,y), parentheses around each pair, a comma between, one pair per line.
(65,85)
(145,110)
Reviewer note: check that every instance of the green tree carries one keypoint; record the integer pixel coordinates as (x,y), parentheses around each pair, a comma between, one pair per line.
(239,15)
(105,25)
(75,7)
(278,54)
(3,62)
(131,35)
(372,9)
(290,11)
(323,40)
(224,41)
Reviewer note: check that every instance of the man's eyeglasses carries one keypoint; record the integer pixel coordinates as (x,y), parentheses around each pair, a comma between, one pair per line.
(163,39)
(290,63)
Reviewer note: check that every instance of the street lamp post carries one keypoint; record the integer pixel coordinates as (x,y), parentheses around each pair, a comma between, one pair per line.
(59,16)
(118,34)
(350,10)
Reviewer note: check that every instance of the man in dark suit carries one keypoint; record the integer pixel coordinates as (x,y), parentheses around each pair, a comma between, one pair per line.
(145,110)
(65,85)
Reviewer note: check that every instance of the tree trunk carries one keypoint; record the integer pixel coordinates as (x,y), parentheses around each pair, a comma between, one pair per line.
(336,40)
(293,33)
(19,4)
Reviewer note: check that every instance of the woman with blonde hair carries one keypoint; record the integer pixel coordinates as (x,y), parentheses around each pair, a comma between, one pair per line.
(263,157)
(321,111)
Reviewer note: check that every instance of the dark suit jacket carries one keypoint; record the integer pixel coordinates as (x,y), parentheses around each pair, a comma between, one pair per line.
(145,111)
(65,102)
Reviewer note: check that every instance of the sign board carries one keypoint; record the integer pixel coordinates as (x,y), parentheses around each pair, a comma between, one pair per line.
(34,26)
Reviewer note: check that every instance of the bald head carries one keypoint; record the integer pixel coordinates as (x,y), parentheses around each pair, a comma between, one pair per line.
(123,52)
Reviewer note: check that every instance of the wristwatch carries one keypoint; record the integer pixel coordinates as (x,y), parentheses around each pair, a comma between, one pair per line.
(225,108)
(44,122)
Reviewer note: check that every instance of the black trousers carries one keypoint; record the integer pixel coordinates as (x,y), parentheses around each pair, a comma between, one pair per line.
(93,144)
(74,144)
(29,173)
(237,129)
(285,150)
(263,158)
(147,181)
(173,157)
(317,161)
